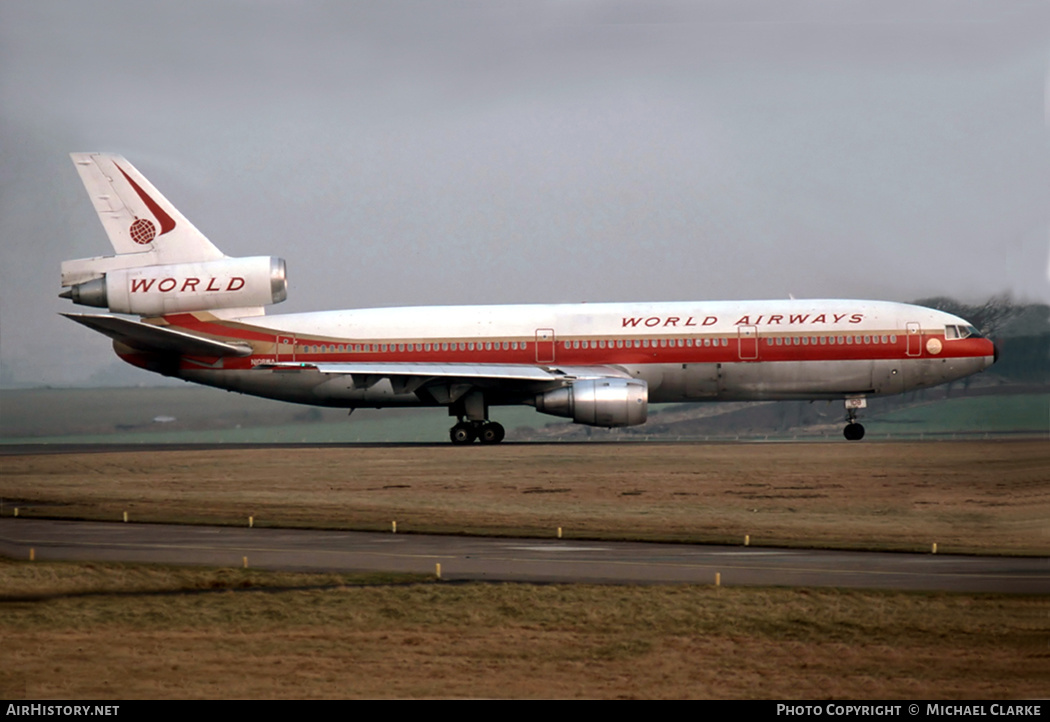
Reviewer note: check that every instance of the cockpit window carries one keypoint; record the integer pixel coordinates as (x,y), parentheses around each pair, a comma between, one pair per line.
(953,331)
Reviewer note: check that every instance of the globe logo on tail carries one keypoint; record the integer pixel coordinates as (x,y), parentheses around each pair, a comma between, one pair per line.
(143,231)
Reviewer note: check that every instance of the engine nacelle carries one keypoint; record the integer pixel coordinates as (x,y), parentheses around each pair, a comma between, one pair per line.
(599,402)
(186,287)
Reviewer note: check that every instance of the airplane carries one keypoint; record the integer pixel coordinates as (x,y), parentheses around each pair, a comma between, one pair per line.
(202,318)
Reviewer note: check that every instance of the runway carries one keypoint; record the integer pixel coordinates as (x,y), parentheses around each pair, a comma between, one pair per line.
(520,560)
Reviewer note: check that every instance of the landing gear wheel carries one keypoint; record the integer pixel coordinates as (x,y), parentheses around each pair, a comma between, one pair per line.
(462,434)
(491,433)
(853,432)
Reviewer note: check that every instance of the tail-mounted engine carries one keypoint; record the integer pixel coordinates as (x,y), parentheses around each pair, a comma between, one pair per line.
(599,402)
(186,287)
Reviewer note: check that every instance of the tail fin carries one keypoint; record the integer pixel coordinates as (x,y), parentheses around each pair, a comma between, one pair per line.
(163,264)
(137,218)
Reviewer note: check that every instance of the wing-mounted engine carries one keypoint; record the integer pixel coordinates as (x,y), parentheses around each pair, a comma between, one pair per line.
(599,402)
(185,287)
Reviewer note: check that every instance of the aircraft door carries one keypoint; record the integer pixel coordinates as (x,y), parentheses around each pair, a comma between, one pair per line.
(284,348)
(747,339)
(545,345)
(914,347)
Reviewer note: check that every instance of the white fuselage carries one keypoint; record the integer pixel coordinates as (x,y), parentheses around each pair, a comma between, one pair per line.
(793,349)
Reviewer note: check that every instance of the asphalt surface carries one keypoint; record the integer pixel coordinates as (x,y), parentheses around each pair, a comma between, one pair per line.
(522,560)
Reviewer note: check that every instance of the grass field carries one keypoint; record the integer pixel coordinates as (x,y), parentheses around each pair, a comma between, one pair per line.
(975,496)
(113,631)
(992,414)
(193,414)
(125,632)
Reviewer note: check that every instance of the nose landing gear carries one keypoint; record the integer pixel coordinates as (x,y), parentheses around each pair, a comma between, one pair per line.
(853,430)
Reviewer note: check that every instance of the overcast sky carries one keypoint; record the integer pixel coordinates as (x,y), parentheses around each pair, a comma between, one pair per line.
(406,153)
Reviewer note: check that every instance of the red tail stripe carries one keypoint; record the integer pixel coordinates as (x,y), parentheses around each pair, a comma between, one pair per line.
(166,222)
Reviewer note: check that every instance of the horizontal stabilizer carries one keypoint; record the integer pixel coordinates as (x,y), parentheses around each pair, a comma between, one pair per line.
(146,337)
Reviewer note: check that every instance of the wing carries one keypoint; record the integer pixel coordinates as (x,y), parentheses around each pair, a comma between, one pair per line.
(446,383)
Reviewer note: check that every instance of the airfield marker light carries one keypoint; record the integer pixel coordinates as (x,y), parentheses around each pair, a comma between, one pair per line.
(16,511)
(559,532)
(125,517)
(747,540)
(934,550)
(393,527)
(718,579)
(251,522)
(32,554)
(437,570)
(245,559)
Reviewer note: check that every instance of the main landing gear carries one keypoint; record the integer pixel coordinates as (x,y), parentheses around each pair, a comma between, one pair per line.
(853,430)
(487,432)
(474,425)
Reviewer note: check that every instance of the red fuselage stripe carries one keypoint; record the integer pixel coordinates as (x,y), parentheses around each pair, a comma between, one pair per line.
(589,352)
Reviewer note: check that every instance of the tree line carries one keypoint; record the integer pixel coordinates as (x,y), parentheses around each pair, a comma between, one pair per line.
(1021,332)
